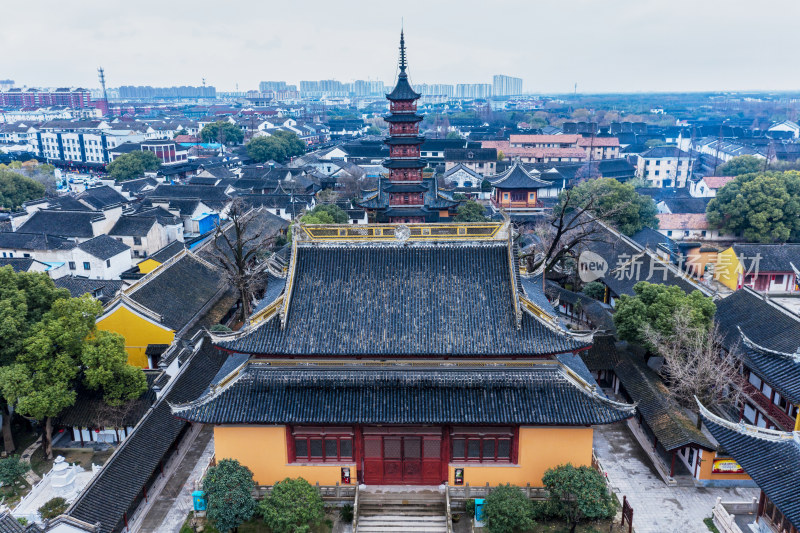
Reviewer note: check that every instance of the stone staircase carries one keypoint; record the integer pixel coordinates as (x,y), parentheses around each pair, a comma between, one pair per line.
(415,511)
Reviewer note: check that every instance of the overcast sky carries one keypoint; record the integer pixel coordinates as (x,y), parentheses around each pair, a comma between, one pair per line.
(604,46)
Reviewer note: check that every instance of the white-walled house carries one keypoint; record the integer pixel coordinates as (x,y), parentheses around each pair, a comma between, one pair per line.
(707,186)
(664,166)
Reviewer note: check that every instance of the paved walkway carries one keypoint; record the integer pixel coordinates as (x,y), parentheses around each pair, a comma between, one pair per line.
(175,501)
(30,476)
(657,508)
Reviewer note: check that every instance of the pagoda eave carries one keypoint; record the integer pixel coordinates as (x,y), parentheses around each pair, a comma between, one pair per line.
(404,163)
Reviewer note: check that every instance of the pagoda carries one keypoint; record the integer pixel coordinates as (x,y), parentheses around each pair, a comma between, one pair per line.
(406,194)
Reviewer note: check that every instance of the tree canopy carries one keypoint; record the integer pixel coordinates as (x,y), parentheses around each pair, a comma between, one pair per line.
(61,349)
(280,146)
(614,202)
(655,305)
(293,507)
(762,207)
(743,164)
(470,211)
(229,493)
(325,214)
(222,132)
(133,165)
(16,189)
(578,494)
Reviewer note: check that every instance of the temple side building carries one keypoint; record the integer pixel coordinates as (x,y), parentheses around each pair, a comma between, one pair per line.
(404,354)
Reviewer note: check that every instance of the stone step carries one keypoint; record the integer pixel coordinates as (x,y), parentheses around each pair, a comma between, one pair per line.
(401,527)
(401,507)
(400,517)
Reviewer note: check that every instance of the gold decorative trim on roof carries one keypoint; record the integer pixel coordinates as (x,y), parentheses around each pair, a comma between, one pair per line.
(451,231)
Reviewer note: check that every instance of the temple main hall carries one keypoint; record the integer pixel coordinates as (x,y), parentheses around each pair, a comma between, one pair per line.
(409,354)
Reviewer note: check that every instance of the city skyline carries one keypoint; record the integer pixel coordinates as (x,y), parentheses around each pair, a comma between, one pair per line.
(631,48)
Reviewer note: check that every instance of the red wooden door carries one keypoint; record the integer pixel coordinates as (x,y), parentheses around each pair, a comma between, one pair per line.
(405,458)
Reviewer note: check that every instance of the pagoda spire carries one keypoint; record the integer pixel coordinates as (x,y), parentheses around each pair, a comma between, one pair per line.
(402,54)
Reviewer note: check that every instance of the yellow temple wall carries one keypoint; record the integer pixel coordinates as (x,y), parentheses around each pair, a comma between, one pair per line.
(138,333)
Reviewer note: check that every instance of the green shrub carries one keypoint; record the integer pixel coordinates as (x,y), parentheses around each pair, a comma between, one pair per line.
(507,510)
(53,508)
(12,468)
(346,513)
(578,494)
(470,507)
(294,506)
(595,290)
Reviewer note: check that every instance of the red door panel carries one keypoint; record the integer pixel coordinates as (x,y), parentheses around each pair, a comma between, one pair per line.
(392,459)
(412,459)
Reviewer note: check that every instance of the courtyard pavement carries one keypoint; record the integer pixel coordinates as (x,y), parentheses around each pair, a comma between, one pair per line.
(175,501)
(657,508)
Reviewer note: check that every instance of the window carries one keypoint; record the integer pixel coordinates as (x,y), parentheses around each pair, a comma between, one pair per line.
(87,266)
(482,445)
(322,444)
(72,265)
(137,240)
(108,262)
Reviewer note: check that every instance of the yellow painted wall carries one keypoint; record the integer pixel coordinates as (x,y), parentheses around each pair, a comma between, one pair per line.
(540,448)
(148,265)
(727,269)
(137,331)
(263,450)
(707,464)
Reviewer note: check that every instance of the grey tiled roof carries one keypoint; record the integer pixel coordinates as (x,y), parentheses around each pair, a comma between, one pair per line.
(438,299)
(103,247)
(773,257)
(350,395)
(78,286)
(117,488)
(20,240)
(133,226)
(179,292)
(770,327)
(669,424)
(19,264)
(771,460)
(61,223)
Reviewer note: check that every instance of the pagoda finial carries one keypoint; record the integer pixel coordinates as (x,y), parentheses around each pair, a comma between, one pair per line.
(402,52)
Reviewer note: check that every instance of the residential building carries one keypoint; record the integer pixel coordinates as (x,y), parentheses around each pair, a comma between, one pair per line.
(474,91)
(506,85)
(708,186)
(147,231)
(168,151)
(787,126)
(665,166)
(480,160)
(692,226)
(32,97)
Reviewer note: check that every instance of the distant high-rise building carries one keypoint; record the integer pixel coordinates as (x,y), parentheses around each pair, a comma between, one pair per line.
(473,90)
(506,85)
(147,92)
(436,89)
(66,96)
(266,86)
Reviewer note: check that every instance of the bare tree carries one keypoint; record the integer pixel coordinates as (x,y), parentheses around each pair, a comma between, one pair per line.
(696,365)
(238,247)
